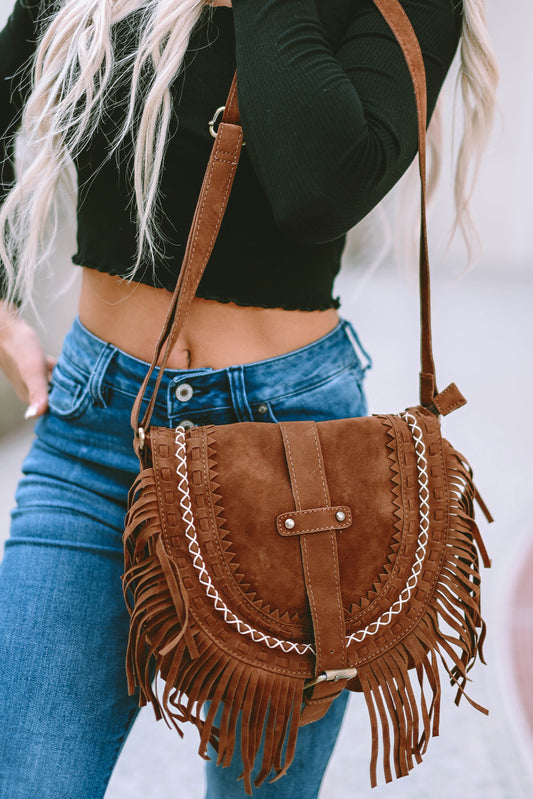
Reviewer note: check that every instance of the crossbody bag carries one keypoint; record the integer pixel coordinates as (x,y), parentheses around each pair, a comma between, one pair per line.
(369,522)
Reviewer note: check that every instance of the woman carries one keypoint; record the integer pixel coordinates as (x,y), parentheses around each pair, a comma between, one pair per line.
(125,91)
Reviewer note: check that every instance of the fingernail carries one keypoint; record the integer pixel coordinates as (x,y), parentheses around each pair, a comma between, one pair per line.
(31,411)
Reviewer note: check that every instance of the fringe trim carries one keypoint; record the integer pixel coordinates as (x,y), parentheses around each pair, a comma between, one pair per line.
(255,705)
(451,632)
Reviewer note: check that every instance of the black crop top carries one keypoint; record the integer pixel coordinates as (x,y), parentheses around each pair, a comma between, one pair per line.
(329,121)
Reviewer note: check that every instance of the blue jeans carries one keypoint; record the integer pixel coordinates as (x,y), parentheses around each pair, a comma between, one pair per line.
(64,707)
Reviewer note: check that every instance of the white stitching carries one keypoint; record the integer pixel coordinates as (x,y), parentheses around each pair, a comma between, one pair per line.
(320,465)
(292,470)
(288,646)
(422,542)
(199,564)
(311,596)
(337,585)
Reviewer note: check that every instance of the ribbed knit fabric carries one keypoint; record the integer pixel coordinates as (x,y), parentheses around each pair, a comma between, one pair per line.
(329,121)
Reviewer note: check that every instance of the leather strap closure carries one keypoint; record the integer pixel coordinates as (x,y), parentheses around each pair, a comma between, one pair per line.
(319,551)
(315,520)
(334,675)
(320,565)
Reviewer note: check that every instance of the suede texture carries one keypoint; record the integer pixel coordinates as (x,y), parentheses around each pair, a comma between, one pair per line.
(368,465)
(229,609)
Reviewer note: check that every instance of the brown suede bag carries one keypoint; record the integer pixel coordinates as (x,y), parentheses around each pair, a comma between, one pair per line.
(270,566)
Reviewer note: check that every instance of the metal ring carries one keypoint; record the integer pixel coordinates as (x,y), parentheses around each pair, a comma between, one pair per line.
(214,121)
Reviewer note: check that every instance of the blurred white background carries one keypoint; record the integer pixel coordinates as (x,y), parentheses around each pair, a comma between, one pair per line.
(483,326)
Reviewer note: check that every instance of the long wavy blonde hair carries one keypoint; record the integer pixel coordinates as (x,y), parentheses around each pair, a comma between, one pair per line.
(74,70)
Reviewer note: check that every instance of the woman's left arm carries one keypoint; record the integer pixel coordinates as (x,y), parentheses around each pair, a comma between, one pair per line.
(330,132)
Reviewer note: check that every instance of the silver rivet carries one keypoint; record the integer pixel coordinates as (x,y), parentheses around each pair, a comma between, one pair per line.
(186,424)
(290,524)
(340,516)
(184,392)
(262,409)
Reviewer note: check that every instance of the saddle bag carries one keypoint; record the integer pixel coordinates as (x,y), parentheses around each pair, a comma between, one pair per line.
(268,567)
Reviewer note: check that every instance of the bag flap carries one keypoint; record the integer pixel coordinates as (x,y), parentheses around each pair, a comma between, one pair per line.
(238,484)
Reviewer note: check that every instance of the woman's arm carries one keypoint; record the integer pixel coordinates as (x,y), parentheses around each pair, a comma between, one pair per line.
(21,354)
(329,133)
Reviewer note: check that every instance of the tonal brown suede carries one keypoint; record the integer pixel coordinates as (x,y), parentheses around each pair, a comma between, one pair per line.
(269,566)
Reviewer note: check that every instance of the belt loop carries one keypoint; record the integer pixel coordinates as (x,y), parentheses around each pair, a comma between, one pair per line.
(97,376)
(238,394)
(356,344)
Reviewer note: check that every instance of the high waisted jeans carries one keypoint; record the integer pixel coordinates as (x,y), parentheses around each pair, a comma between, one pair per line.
(64,706)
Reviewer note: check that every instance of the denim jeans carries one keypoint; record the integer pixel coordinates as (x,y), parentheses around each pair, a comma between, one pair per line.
(64,706)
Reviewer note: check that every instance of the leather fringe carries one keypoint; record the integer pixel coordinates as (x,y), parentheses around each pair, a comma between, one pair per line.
(250,706)
(401,724)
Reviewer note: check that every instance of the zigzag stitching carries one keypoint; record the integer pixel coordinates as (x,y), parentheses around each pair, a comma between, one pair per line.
(226,543)
(396,489)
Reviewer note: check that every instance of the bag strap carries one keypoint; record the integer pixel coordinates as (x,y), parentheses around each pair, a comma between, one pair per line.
(212,203)
(399,23)
(207,219)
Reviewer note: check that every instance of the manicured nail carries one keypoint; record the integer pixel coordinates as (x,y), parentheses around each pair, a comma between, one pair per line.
(31,411)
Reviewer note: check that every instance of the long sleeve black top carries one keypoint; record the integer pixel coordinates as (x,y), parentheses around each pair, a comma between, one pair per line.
(329,121)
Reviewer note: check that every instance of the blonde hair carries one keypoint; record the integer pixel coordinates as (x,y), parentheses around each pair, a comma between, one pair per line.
(477,80)
(75,69)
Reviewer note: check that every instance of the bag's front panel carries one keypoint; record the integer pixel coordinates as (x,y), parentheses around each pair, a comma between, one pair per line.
(246,485)
(403,595)
(238,481)
(247,494)
(370,464)
(221,601)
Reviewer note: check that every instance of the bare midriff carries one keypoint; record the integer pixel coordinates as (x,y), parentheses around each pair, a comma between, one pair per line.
(131,316)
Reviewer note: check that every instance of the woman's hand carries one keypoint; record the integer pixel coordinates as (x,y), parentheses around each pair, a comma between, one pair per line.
(23,361)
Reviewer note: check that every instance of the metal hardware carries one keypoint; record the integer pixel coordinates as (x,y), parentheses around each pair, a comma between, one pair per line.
(184,392)
(332,675)
(290,524)
(262,408)
(214,121)
(141,435)
(186,424)
(340,516)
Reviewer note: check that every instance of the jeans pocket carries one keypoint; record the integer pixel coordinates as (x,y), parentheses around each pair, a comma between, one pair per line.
(341,396)
(68,394)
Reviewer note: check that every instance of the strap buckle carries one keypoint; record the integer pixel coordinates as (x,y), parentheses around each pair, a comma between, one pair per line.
(332,675)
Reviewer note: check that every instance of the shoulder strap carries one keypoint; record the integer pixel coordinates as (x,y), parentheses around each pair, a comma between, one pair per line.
(212,203)
(399,23)
(207,219)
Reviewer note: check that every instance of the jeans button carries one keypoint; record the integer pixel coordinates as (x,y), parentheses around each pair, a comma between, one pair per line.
(184,392)
(262,409)
(186,424)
